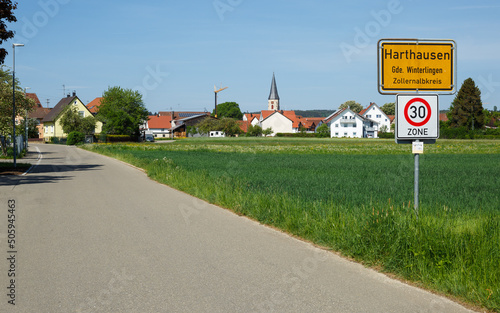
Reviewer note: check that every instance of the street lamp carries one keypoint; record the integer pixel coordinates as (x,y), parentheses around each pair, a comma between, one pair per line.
(14,94)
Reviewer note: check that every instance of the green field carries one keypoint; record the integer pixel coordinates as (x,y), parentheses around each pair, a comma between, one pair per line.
(356,197)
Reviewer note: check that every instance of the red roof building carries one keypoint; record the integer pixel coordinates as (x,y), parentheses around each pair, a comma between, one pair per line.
(94,105)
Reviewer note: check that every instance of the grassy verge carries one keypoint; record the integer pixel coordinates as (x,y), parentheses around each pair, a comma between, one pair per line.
(355,196)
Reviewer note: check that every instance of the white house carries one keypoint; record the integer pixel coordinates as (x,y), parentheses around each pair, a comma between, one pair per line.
(158,126)
(253,118)
(374,113)
(277,121)
(346,123)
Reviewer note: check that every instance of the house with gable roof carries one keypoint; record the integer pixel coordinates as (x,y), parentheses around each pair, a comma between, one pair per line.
(375,113)
(52,124)
(347,123)
(38,113)
(159,126)
(277,121)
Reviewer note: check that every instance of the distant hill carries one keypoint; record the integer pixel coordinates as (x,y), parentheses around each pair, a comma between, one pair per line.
(314,113)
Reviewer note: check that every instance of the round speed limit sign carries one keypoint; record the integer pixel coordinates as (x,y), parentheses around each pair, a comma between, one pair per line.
(417,117)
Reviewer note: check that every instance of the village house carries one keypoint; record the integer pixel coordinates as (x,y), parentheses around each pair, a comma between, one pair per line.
(347,123)
(375,113)
(52,124)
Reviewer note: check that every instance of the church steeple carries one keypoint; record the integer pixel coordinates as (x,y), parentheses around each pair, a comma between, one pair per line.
(273,102)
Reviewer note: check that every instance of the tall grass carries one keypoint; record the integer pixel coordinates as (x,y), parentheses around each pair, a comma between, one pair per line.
(356,203)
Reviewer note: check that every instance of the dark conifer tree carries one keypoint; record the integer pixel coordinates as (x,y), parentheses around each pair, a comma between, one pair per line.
(467,108)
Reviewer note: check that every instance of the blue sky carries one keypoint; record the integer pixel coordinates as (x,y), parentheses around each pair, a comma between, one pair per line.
(174,52)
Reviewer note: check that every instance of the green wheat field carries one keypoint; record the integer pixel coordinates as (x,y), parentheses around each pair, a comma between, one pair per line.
(355,197)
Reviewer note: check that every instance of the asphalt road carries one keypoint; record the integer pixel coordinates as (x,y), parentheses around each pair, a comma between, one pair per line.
(96,235)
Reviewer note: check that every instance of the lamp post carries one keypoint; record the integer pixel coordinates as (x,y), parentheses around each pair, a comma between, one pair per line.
(14,95)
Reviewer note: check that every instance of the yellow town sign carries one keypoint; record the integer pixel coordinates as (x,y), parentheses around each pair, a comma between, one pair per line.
(412,65)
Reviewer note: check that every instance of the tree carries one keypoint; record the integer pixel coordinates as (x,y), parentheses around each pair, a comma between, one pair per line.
(6,15)
(389,108)
(353,105)
(23,106)
(255,131)
(228,109)
(267,132)
(323,131)
(72,121)
(207,125)
(32,128)
(467,108)
(229,126)
(122,112)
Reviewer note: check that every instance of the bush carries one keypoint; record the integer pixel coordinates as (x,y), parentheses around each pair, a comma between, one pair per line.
(386,135)
(75,138)
(121,138)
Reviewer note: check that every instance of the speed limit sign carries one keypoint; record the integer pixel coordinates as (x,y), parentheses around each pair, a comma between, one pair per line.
(417,117)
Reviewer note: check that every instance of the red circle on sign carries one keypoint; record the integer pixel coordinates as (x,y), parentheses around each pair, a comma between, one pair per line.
(427,118)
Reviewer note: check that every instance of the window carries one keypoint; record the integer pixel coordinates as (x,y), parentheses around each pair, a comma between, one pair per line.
(354,125)
(354,134)
(379,116)
(336,125)
(337,134)
(81,113)
(369,116)
(345,134)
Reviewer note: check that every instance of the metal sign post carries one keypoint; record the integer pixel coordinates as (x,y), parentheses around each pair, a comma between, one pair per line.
(417,122)
(415,66)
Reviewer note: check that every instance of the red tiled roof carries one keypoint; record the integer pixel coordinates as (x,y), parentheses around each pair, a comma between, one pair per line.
(34,97)
(266,113)
(251,116)
(293,117)
(244,125)
(94,104)
(391,117)
(443,117)
(159,122)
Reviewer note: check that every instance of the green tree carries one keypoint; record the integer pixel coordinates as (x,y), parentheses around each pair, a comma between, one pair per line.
(255,131)
(353,105)
(467,108)
(23,106)
(207,125)
(6,15)
(389,108)
(229,126)
(267,132)
(122,112)
(32,128)
(323,131)
(72,121)
(228,109)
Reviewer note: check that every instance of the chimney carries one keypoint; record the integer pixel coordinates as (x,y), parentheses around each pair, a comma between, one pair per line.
(74,93)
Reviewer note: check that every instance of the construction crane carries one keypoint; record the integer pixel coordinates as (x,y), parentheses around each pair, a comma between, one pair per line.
(216,91)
